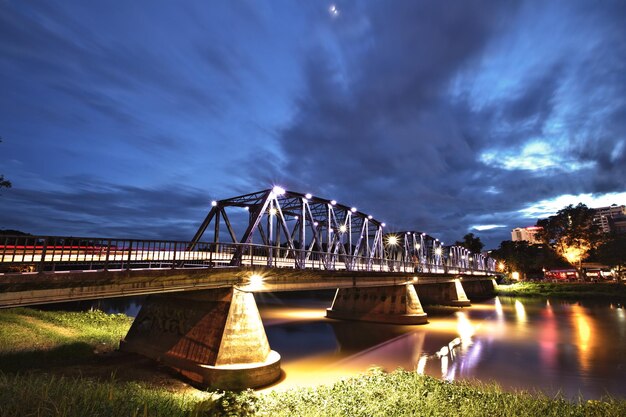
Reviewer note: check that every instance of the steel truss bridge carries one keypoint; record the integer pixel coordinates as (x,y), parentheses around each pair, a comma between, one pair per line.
(283,229)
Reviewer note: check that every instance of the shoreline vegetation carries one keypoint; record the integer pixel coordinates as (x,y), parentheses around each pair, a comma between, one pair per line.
(609,291)
(65,364)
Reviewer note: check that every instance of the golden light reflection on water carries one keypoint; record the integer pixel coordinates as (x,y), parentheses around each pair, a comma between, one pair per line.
(465,328)
(583,325)
(554,343)
(520,311)
(276,315)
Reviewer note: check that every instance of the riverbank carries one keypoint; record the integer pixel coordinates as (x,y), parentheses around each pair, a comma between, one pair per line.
(68,367)
(566,290)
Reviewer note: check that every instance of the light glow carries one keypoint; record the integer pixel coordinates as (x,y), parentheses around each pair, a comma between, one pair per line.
(353,209)
(278,190)
(392,240)
(214,203)
(256,282)
(308,196)
(272,211)
(333,202)
(343,228)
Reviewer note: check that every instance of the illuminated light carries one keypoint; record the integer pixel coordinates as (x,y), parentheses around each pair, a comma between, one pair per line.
(308,196)
(214,203)
(256,282)
(444,367)
(272,211)
(415,279)
(421,365)
(438,251)
(353,209)
(278,190)
(315,224)
(370,217)
(418,246)
(464,328)
(383,225)
(306,200)
(296,217)
(333,202)
(443,351)
(333,10)
(520,311)
(515,275)
(574,254)
(499,309)
(501,266)
(343,228)
(392,240)
(246,208)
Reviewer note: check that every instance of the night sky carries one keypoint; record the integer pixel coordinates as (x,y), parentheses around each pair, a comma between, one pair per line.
(126,118)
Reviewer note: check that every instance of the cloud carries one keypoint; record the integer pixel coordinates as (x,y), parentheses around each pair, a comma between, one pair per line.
(93,208)
(433,117)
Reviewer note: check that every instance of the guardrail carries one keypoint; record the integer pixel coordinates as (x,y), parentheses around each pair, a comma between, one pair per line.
(21,254)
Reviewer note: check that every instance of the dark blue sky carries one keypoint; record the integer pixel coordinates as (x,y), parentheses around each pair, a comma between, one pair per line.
(126,118)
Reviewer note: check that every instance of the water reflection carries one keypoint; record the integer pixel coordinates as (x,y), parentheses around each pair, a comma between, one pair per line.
(520,343)
(555,346)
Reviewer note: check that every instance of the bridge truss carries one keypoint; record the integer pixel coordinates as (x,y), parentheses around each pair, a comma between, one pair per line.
(272,228)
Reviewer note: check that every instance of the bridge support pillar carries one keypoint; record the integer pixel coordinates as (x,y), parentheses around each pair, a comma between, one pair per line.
(481,288)
(393,305)
(444,293)
(215,338)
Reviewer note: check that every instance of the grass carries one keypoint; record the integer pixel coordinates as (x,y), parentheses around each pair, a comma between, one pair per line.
(35,339)
(607,291)
(398,394)
(28,390)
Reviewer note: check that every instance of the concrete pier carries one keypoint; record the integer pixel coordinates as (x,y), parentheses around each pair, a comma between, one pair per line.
(480,288)
(215,338)
(449,293)
(391,304)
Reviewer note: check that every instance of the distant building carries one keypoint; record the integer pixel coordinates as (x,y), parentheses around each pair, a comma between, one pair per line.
(617,224)
(529,234)
(604,216)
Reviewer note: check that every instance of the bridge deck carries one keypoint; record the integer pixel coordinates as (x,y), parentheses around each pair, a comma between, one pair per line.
(49,287)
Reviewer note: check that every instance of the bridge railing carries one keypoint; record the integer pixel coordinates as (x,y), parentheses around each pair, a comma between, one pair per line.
(20,254)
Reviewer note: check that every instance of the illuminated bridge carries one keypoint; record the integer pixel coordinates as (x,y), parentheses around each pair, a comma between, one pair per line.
(202,319)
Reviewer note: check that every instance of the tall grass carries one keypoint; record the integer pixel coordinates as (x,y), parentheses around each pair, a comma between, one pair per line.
(404,393)
(397,394)
(31,338)
(599,291)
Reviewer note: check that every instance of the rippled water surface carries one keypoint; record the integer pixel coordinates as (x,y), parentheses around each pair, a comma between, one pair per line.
(571,347)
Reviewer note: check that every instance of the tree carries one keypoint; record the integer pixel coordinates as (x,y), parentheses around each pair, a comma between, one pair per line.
(4,183)
(613,253)
(572,233)
(527,259)
(471,242)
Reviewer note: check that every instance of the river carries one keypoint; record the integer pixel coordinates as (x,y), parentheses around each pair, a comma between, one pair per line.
(575,348)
